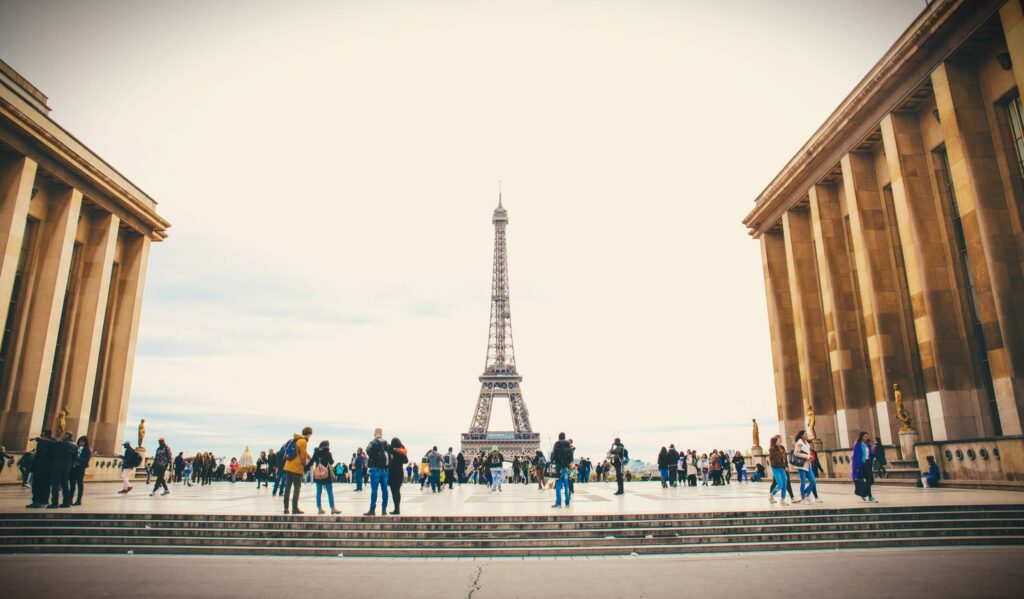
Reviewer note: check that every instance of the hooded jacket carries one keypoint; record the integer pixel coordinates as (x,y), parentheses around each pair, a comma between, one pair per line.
(297,465)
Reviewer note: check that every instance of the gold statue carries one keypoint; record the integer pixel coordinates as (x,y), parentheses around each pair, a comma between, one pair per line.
(902,415)
(142,431)
(62,423)
(810,421)
(757,434)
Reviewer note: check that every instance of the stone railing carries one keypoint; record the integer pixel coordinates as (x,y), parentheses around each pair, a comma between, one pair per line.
(996,458)
(101,468)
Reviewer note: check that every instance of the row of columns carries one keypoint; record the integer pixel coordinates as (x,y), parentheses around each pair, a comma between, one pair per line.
(862,280)
(101,333)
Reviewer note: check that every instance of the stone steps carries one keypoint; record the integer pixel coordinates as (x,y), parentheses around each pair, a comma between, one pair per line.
(468,536)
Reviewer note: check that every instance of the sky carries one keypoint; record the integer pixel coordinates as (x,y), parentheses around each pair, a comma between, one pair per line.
(330,170)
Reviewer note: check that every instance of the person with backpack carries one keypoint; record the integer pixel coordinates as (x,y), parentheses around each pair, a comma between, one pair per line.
(434,463)
(129,462)
(673,465)
(539,465)
(561,456)
(161,461)
(320,464)
(449,468)
(496,464)
(620,457)
(359,468)
(377,459)
(399,456)
(296,457)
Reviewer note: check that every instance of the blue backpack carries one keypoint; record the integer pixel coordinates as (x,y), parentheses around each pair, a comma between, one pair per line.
(288,450)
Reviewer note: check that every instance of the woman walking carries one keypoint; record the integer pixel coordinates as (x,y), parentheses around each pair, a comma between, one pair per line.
(540,465)
(663,467)
(861,470)
(321,464)
(802,459)
(399,457)
(78,469)
(777,460)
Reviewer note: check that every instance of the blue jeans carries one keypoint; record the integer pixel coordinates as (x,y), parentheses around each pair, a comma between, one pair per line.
(379,478)
(279,483)
(435,480)
(807,478)
(664,475)
(320,485)
(780,480)
(562,483)
(357,476)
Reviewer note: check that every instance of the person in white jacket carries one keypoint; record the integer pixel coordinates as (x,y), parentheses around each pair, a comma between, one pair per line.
(802,461)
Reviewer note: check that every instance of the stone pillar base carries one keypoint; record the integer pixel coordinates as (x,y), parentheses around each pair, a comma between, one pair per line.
(757,456)
(908,439)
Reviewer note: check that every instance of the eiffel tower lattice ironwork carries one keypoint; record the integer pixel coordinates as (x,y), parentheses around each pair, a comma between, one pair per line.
(500,379)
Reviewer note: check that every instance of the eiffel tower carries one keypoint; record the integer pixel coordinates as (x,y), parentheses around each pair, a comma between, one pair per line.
(500,379)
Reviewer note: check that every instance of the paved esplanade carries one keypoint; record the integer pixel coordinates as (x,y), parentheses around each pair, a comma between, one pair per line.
(474,500)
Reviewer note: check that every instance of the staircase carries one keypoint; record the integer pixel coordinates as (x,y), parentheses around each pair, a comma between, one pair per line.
(779,529)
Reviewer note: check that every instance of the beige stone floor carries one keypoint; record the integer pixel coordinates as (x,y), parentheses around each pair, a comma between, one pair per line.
(592,498)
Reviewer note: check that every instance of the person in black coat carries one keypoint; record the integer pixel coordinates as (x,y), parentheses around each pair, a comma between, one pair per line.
(64,454)
(396,464)
(41,470)
(77,482)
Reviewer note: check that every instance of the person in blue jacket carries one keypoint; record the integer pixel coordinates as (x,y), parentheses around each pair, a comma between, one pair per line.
(932,477)
(862,470)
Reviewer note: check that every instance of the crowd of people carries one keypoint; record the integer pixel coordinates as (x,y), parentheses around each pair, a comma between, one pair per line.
(55,470)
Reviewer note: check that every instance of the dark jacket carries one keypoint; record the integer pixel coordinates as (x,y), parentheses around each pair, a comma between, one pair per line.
(673,457)
(663,459)
(321,456)
(60,454)
(377,453)
(495,459)
(82,459)
(396,464)
(162,458)
(179,463)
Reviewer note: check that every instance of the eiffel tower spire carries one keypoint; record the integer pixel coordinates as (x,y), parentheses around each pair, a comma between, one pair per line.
(500,378)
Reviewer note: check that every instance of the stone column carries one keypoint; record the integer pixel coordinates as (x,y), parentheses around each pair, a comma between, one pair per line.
(83,353)
(984,212)
(109,427)
(16,179)
(809,325)
(876,273)
(31,383)
(783,335)
(955,408)
(851,378)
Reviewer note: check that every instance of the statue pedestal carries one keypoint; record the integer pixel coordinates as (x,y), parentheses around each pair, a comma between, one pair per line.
(908,439)
(757,456)
(817,445)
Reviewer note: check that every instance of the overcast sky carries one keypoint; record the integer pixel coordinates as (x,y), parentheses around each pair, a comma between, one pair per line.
(330,169)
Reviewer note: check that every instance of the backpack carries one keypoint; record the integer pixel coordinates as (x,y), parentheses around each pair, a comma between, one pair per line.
(320,472)
(288,450)
(132,460)
(447,461)
(625,455)
(374,450)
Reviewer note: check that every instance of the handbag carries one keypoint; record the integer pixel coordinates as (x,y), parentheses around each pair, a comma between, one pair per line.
(321,472)
(798,462)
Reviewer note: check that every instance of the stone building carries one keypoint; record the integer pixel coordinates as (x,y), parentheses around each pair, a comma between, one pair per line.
(893,249)
(75,236)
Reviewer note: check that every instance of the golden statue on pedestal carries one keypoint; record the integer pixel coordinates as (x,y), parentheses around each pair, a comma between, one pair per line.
(142,431)
(757,434)
(810,421)
(902,415)
(62,423)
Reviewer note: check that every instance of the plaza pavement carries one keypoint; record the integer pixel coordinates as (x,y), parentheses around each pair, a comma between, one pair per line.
(876,574)
(476,500)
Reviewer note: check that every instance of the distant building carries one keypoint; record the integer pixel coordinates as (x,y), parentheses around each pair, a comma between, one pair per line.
(74,241)
(893,250)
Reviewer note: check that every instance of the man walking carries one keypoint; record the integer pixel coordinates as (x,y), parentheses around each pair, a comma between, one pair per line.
(434,464)
(561,456)
(359,468)
(129,462)
(161,461)
(619,459)
(496,463)
(673,465)
(449,468)
(295,457)
(179,466)
(377,459)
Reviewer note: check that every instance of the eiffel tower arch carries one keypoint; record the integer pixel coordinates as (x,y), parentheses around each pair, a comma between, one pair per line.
(500,379)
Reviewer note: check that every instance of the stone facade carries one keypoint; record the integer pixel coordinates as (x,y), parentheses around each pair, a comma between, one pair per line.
(75,237)
(893,243)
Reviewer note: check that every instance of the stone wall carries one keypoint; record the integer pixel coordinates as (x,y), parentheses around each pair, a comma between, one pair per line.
(999,458)
(101,469)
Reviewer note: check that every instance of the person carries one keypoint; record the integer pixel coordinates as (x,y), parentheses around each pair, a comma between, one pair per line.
(496,464)
(188,474)
(377,459)
(434,465)
(295,456)
(359,468)
(262,470)
(62,458)
(716,468)
(515,470)
(673,465)
(161,460)
(561,457)
(424,471)
(777,460)
(931,477)
(233,469)
(620,457)
(879,463)
(526,470)
(740,463)
(82,456)
(129,462)
(705,470)
(802,458)
(179,466)
(861,470)
(25,467)
(449,468)
(663,466)
(40,470)
(399,456)
(759,472)
(320,464)
(539,465)
(460,468)
(723,458)
(693,470)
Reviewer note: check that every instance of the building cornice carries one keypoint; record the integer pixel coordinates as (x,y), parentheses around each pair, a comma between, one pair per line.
(929,40)
(68,150)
